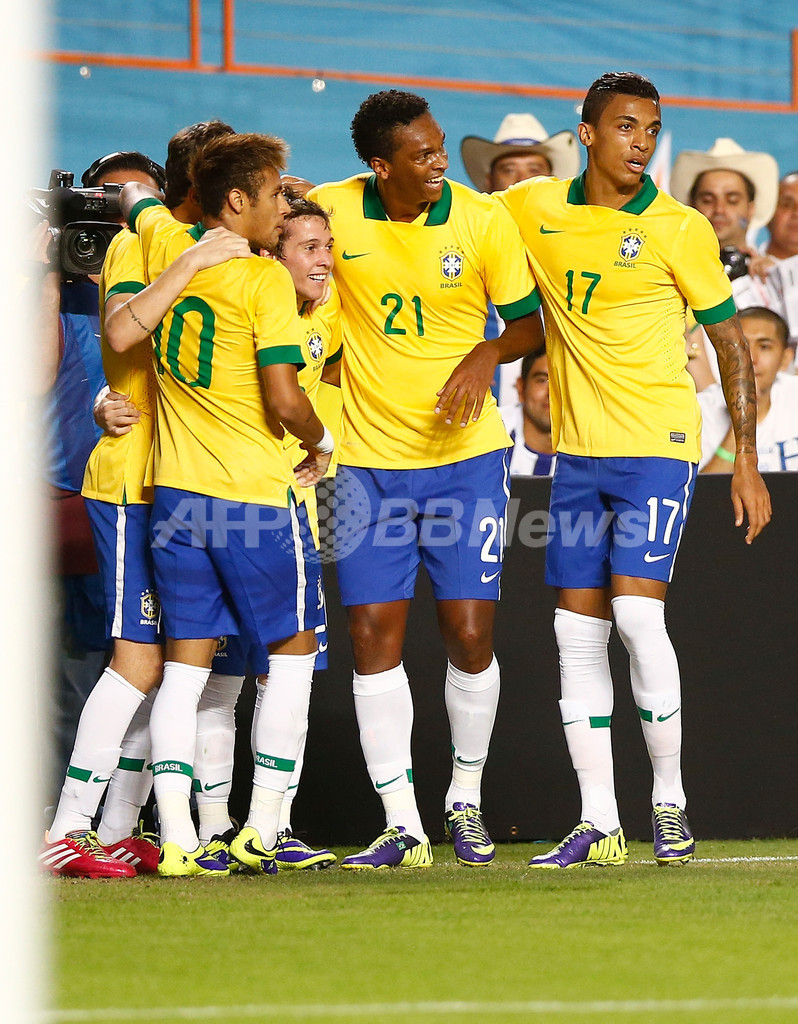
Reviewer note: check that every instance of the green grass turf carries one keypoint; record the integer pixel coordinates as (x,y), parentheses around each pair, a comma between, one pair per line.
(706,931)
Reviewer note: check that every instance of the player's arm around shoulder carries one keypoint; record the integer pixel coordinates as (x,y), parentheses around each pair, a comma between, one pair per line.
(749,494)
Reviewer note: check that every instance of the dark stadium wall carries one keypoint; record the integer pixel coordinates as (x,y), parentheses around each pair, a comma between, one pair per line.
(731,615)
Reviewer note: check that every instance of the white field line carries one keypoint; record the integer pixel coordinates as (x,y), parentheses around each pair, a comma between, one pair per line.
(726,860)
(275,1011)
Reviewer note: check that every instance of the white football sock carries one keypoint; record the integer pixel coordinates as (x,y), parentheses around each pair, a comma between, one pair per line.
(132,780)
(173,730)
(656,687)
(284,824)
(214,754)
(586,709)
(384,709)
(104,720)
(471,702)
(280,734)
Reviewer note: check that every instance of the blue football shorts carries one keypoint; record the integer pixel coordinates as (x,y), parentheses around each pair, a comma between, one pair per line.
(122,541)
(224,567)
(452,518)
(616,517)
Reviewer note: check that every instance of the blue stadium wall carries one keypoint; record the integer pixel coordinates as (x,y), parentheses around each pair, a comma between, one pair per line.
(732,51)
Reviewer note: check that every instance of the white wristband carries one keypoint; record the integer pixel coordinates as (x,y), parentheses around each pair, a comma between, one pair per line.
(326,444)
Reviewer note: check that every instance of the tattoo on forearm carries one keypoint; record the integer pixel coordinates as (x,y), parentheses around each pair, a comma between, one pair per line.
(147,330)
(737,380)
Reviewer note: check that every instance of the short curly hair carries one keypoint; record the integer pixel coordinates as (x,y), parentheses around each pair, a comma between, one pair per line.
(377,118)
(614,83)
(182,146)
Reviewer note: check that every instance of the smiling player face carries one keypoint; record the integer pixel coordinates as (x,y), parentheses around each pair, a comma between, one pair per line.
(622,143)
(307,255)
(414,173)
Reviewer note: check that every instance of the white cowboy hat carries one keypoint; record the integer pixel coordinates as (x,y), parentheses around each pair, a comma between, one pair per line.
(520,133)
(726,155)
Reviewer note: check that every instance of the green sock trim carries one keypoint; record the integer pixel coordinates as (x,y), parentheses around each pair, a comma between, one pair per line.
(131,764)
(600,722)
(196,785)
(645,716)
(172,767)
(78,773)
(280,764)
(410,775)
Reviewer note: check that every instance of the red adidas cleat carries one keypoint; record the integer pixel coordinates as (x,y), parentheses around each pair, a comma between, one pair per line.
(141,850)
(80,855)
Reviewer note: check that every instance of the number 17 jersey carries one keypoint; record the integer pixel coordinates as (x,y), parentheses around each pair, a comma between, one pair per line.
(615,285)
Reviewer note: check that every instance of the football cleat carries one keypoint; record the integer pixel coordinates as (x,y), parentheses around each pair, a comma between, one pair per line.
(175,862)
(673,840)
(141,850)
(294,855)
(80,855)
(219,847)
(393,849)
(585,845)
(247,848)
(472,844)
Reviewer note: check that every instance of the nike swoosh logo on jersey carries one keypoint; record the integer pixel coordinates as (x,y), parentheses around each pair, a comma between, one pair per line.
(354,255)
(550,231)
(648,557)
(664,718)
(485,578)
(215,785)
(382,785)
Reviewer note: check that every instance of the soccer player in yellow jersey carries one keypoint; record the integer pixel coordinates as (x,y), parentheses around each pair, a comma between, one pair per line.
(617,263)
(231,546)
(423,445)
(305,250)
(116,715)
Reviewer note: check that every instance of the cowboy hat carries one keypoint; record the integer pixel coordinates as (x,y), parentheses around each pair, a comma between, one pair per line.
(520,133)
(726,155)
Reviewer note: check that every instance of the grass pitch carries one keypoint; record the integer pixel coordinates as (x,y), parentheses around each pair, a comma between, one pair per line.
(715,940)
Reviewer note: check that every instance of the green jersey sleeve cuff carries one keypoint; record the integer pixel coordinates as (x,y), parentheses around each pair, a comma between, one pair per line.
(142,204)
(281,354)
(333,359)
(125,288)
(523,307)
(718,313)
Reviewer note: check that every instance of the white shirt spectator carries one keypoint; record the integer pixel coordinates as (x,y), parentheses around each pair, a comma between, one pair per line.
(525,461)
(776,434)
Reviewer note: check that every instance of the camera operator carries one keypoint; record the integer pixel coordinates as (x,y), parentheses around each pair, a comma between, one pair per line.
(72,365)
(736,191)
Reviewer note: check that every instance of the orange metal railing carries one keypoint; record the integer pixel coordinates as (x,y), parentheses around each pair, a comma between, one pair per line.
(229,65)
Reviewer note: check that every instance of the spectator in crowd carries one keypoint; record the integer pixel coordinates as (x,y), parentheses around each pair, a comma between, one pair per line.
(772,277)
(528,421)
(736,191)
(520,149)
(777,401)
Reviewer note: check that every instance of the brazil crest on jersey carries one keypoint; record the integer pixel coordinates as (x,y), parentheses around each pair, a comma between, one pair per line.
(119,469)
(414,303)
(213,436)
(615,285)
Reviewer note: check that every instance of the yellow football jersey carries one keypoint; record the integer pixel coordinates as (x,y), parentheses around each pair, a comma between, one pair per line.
(615,285)
(213,436)
(414,303)
(321,346)
(119,469)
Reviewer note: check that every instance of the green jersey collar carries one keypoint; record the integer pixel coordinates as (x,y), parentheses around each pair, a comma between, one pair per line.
(197,231)
(374,210)
(641,202)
